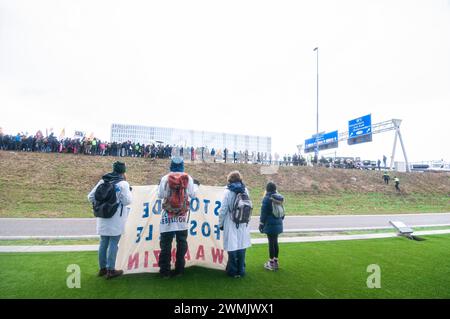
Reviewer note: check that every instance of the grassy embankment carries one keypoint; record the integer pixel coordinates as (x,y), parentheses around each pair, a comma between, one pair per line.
(56,185)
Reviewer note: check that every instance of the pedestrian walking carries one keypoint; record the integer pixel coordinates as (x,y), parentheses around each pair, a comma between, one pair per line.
(397,183)
(386,177)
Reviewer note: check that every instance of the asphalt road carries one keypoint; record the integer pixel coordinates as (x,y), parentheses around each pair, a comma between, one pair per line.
(86,226)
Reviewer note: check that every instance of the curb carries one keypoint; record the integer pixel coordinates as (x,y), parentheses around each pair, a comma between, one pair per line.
(254,231)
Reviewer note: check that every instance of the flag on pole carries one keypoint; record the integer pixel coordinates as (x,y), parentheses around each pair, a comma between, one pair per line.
(91,137)
(79,134)
(63,134)
(48,131)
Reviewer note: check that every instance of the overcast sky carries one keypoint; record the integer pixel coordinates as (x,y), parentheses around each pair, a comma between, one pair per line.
(244,67)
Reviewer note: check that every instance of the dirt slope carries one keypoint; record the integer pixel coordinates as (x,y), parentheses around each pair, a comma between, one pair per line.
(56,185)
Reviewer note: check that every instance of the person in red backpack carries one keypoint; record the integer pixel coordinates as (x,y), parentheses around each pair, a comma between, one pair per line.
(175,189)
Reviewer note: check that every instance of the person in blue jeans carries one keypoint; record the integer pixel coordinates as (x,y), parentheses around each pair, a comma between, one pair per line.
(235,239)
(110,229)
(107,253)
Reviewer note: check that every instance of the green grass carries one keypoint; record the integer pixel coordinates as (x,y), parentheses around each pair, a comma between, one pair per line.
(409,269)
(48,242)
(67,202)
(354,203)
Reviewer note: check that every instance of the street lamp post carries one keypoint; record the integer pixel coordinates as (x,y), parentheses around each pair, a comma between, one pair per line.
(317,100)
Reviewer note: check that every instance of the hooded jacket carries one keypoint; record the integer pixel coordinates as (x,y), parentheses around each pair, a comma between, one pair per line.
(112,177)
(272,224)
(233,238)
(115,225)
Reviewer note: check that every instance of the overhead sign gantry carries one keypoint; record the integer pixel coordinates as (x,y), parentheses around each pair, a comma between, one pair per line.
(360,131)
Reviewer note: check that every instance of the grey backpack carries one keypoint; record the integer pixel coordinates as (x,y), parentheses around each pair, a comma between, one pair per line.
(242,209)
(277,208)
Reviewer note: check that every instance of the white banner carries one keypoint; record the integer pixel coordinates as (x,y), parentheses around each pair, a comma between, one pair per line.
(139,246)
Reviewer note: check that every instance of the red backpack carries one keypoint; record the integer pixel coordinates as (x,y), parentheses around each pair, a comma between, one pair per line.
(177,203)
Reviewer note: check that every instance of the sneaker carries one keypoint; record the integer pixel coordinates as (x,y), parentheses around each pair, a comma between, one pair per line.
(237,276)
(102,272)
(275,265)
(269,265)
(113,273)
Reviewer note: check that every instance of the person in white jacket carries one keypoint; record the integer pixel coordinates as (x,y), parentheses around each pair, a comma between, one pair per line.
(235,239)
(111,229)
(174,226)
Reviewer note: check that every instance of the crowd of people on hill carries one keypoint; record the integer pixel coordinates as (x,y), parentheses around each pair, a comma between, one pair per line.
(94,146)
(86,146)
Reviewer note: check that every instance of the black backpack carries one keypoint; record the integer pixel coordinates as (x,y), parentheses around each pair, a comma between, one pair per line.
(105,204)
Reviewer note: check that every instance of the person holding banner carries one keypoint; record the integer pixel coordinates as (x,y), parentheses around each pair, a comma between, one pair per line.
(110,229)
(236,238)
(175,189)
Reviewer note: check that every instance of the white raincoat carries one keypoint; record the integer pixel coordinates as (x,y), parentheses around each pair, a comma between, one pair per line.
(233,238)
(115,225)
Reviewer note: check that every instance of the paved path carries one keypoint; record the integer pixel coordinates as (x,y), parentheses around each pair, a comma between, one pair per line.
(86,226)
(66,248)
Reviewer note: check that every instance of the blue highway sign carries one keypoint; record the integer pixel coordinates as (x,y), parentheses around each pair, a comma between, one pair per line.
(325,141)
(360,130)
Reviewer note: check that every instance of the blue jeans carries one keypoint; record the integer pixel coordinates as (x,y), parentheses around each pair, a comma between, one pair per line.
(107,251)
(236,263)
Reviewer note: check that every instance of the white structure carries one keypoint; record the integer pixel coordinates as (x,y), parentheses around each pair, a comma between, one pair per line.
(386,126)
(179,137)
(400,166)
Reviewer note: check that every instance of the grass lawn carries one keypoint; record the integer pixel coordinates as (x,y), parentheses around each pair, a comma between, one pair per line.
(409,269)
(347,203)
(67,202)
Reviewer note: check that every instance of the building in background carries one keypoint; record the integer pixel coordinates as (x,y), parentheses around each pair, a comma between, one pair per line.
(179,137)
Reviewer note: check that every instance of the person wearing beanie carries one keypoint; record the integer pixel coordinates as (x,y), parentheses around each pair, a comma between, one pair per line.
(171,224)
(270,224)
(119,167)
(177,165)
(111,229)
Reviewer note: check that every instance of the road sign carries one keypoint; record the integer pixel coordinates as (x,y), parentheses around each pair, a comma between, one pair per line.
(324,140)
(310,145)
(360,130)
(360,126)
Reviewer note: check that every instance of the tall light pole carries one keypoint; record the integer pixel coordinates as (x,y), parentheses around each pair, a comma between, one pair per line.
(317,99)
